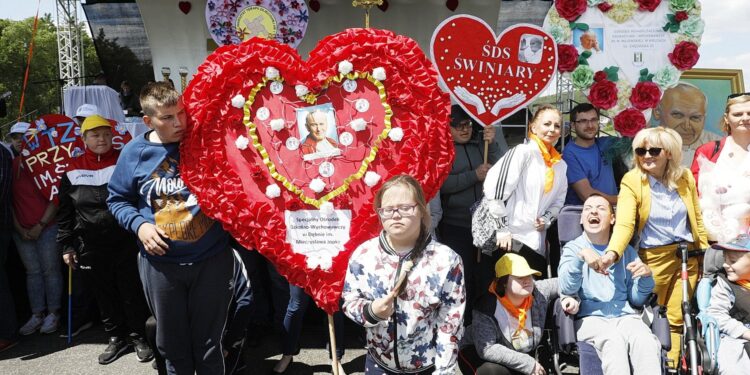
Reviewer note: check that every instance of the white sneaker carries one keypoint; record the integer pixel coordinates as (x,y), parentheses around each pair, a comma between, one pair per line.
(51,323)
(32,325)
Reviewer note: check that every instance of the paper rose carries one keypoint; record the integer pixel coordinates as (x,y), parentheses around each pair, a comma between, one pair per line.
(678,5)
(605,7)
(603,94)
(301,90)
(317,185)
(667,77)
(645,95)
(570,9)
(272,73)
(684,56)
(273,191)
(242,142)
(692,27)
(371,178)
(567,56)
(396,134)
(358,124)
(582,77)
(326,209)
(681,16)
(560,34)
(277,124)
(600,76)
(629,122)
(238,101)
(648,5)
(379,73)
(345,67)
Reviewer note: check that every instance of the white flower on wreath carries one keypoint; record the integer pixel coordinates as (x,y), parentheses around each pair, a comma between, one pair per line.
(272,73)
(692,27)
(242,142)
(593,3)
(301,90)
(238,101)
(326,209)
(345,67)
(379,73)
(396,134)
(277,124)
(371,178)
(358,124)
(667,77)
(317,185)
(560,34)
(273,191)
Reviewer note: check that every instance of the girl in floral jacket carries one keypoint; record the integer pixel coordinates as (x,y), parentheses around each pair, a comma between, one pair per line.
(413,326)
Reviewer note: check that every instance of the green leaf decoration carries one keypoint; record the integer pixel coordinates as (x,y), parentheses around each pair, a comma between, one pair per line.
(579,25)
(586,54)
(612,73)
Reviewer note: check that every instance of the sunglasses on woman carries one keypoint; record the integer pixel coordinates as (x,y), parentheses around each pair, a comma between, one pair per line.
(653,151)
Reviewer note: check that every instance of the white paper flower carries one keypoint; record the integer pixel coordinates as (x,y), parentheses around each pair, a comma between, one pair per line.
(317,185)
(272,73)
(396,134)
(345,67)
(379,73)
(326,209)
(25,152)
(273,191)
(242,142)
(54,134)
(301,90)
(371,178)
(314,261)
(358,124)
(238,101)
(277,124)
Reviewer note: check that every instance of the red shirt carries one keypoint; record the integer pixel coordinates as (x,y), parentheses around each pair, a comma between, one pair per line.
(29,203)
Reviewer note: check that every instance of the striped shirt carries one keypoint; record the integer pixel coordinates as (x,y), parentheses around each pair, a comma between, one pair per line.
(668,221)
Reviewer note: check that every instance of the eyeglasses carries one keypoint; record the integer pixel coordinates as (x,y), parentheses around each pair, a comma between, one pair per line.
(403,210)
(732,96)
(463,126)
(653,151)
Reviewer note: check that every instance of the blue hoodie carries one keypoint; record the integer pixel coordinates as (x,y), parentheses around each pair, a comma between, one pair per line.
(609,296)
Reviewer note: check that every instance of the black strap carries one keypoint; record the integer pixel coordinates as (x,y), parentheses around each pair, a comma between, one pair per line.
(717,147)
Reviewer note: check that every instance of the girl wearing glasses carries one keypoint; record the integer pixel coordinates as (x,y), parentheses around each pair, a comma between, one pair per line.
(412,326)
(659,200)
(523,193)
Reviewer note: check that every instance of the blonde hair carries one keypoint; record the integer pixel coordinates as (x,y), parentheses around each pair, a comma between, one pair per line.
(723,122)
(670,142)
(416,189)
(158,94)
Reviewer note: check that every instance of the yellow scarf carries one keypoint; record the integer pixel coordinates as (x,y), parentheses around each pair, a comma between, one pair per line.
(744,283)
(551,157)
(520,312)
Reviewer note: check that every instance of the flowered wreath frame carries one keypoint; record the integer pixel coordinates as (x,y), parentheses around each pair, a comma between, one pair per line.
(605,89)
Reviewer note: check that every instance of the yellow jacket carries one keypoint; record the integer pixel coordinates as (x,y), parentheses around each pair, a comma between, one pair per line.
(634,206)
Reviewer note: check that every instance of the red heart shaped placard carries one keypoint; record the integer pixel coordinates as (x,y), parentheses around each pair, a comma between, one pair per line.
(245,154)
(491,77)
(185,6)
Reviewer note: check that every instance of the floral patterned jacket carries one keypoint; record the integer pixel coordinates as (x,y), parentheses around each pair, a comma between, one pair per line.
(427,323)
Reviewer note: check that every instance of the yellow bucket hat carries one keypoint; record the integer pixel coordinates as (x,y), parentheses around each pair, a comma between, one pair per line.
(93,122)
(514,264)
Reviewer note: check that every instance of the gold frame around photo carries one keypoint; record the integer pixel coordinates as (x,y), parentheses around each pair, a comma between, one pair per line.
(734,76)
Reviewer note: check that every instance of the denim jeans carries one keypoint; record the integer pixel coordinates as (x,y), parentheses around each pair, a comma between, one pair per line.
(8,324)
(44,279)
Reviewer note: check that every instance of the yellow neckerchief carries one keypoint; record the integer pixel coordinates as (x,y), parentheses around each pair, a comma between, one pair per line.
(551,157)
(520,312)
(744,283)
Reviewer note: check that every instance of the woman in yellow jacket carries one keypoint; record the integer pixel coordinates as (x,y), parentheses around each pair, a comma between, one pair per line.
(658,197)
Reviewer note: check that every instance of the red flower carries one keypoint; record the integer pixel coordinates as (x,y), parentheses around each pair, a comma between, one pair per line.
(684,56)
(567,57)
(293,205)
(629,122)
(255,171)
(600,76)
(570,9)
(648,5)
(645,95)
(604,7)
(681,16)
(603,94)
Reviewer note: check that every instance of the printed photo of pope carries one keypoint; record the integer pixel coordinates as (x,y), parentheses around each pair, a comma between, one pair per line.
(320,140)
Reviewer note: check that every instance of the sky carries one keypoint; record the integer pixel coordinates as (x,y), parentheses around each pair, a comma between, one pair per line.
(727,30)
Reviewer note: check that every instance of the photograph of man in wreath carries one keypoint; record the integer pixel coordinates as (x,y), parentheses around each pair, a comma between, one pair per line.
(317,127)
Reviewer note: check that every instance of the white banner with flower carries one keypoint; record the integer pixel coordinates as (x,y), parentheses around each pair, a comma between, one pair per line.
(623,54)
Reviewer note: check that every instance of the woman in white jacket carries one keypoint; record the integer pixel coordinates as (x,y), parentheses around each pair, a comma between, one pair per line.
(523,193)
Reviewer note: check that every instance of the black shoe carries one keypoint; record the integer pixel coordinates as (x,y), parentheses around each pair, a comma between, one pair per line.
(142,350)
(77,328)
(115,349)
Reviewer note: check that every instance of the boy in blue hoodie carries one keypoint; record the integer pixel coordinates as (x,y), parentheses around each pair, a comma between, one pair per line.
(185,262)
(608,318)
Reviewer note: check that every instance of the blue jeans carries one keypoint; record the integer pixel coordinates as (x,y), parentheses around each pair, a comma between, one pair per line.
(44,279)
(8,324)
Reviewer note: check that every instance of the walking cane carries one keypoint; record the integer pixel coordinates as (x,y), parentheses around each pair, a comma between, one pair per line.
(70,304)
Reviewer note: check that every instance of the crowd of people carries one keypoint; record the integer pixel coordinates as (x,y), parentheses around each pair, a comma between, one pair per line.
(460,281)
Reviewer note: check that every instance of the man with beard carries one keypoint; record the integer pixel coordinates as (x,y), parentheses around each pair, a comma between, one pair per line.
(589,171)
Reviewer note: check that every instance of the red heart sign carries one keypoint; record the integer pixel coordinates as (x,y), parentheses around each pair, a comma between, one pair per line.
(491,77)
(278,148)
(185,6)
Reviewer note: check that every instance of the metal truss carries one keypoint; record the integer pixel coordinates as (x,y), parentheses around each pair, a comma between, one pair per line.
(69,44)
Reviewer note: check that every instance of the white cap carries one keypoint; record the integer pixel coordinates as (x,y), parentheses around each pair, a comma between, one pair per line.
(86,110)
(19,127)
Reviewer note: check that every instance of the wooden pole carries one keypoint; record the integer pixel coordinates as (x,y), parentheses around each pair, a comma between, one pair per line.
(332,334)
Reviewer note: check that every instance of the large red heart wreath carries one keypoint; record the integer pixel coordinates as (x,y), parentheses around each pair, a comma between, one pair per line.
(245,158)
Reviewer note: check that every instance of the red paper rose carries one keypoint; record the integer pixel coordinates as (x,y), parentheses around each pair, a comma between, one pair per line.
(599,76)
(684,56)
(603,94)
(570,9)
(645,95)
(567,56)
(629,122)
(648,5)
(604,7)
(681,16)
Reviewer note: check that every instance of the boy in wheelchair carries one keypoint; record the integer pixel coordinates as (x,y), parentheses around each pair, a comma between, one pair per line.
(730,306)
(608,318)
